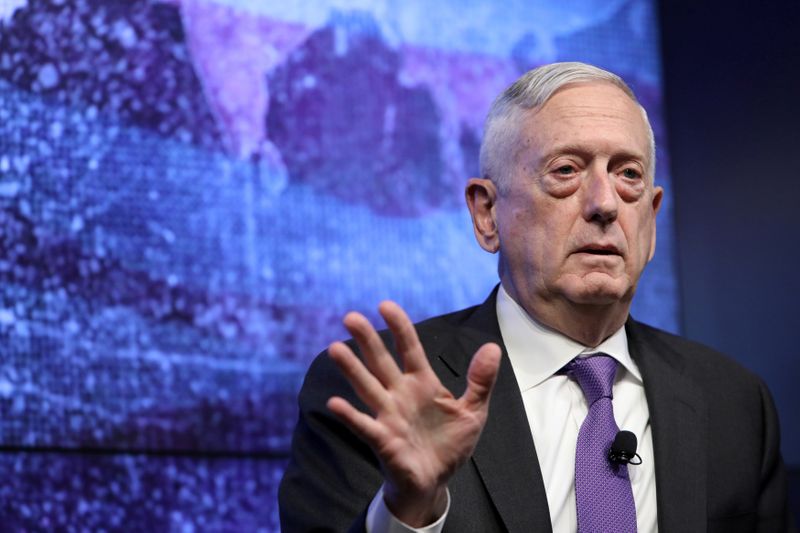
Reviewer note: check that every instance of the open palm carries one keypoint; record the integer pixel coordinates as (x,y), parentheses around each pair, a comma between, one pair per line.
(419,431)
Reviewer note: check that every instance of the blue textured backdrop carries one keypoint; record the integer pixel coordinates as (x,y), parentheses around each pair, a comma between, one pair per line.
(193,193)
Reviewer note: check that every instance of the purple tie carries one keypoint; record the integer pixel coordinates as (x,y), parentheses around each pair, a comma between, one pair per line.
(602,490)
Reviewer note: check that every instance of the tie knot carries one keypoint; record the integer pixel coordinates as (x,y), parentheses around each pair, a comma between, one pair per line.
(595,374)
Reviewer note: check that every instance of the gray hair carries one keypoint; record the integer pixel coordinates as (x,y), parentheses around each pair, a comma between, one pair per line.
(531,90)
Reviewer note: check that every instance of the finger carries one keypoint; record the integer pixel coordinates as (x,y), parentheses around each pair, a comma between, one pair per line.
(364,383)
(376,356)
(482,375)
(405,337)
(363,425)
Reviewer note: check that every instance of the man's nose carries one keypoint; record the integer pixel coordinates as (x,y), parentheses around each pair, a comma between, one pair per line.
(599,197)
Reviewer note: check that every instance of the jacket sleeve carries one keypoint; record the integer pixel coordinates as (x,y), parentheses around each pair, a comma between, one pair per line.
(332,475)
(773,508)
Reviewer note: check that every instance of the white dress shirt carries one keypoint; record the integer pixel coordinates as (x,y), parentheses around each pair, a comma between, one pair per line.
(556,407)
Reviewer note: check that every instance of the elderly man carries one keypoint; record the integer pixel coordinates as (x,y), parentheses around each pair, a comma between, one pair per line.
(500,417)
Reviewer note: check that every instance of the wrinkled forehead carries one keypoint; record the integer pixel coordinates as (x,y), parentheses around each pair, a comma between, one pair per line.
(592,100)
(597,112)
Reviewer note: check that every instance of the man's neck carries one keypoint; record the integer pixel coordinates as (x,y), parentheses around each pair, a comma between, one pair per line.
(587,324)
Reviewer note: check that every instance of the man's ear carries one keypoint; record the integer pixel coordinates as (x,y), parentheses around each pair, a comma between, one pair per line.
(481,196)
(658,196)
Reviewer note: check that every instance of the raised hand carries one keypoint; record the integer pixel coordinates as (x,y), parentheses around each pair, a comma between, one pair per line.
(420,432)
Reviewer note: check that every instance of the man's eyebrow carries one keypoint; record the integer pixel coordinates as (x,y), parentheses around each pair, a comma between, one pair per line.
(564,149)
(583,151)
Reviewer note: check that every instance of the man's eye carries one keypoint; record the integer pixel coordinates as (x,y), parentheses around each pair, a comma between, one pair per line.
(565,170)
(631,173)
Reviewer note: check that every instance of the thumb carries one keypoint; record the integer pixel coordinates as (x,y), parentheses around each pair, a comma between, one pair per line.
(482,375)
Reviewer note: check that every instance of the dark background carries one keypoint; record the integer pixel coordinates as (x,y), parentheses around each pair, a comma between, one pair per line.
(732,95)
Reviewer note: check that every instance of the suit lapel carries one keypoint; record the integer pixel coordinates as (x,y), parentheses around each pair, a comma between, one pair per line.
(505,456)
(678,421)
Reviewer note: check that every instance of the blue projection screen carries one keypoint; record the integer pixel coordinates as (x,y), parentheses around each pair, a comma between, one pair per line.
(193,192)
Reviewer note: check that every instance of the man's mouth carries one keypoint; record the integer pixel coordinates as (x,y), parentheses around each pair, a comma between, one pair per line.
(599,250)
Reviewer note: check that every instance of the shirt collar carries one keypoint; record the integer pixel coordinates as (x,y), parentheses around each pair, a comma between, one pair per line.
(537,352)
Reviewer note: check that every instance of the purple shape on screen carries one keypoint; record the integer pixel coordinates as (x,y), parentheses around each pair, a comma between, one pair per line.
(346,125)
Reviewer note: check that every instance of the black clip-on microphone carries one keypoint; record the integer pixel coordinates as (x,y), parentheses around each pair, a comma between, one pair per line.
(623,450)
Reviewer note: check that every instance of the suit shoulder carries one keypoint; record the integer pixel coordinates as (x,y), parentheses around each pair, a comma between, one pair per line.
(446,321)
(428,330)
(693,357)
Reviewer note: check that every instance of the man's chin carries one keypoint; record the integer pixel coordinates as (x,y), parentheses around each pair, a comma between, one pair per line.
(598,290)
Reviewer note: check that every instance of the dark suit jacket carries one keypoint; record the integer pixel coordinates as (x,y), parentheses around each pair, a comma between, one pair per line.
(715,439)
